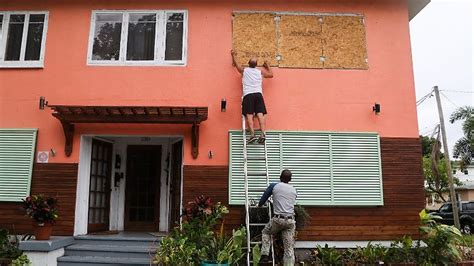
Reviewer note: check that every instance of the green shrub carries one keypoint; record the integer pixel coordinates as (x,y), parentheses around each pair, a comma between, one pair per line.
(326,255)
(9,250)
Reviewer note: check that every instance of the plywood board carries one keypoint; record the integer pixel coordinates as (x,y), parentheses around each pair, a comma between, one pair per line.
(344,44)
(300,41)
(255,35)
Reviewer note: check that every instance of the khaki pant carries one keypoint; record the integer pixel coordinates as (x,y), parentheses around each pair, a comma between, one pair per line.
(287,229)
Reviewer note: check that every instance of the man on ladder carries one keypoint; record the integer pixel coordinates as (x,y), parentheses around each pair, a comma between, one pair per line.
(253,103)
(284,199)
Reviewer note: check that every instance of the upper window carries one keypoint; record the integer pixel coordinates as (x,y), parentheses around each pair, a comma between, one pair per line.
(22,38)
(156,37)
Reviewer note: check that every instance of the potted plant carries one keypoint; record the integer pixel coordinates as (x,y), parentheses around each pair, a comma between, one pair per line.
(44,213)
(10,254)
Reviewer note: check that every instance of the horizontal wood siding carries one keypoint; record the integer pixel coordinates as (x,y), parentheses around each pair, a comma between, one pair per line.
(403,198)
(53,179)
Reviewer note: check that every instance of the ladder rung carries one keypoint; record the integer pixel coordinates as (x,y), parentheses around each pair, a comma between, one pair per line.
(256,206)
(255,242)
(257,224)
(256,174)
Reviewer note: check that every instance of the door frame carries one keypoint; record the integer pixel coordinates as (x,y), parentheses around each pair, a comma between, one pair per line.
(82,187)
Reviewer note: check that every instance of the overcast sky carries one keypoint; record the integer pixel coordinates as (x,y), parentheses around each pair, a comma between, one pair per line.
(442,39)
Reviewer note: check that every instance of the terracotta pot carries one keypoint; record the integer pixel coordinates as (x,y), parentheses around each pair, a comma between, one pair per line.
(42,231)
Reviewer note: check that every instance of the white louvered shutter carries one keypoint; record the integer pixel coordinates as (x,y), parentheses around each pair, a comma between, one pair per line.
(329,168)
(17,148)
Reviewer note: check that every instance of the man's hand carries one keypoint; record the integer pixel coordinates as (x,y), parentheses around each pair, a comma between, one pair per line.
(265,64)
(267,71)
(233,53)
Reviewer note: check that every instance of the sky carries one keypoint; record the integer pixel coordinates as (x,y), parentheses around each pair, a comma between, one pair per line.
(442,47)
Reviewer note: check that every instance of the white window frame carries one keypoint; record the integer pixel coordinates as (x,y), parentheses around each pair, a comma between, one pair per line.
(22,63)
(160,37)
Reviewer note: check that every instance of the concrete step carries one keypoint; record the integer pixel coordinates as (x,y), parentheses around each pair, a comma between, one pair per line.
(115,240)
(101,261)
(111,251)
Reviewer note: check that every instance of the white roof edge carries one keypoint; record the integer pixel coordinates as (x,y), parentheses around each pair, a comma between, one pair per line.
(415,6)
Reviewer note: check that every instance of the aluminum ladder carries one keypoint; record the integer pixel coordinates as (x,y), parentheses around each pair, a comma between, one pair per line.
(252,203)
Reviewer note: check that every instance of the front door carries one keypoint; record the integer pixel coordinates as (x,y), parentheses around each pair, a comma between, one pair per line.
(99,188)
(175,183)
(142,192)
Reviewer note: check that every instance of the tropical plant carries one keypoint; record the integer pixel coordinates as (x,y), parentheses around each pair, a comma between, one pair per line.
(176,249)
(401,250)
(371,254)
(326,255)
(197,240)
(301,216)
(464,147)
(442,241)
(256,254)
(41,209)
(232,252)
(9,249)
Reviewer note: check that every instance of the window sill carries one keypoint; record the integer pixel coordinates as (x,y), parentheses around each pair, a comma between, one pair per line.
(107,64)
(22,65)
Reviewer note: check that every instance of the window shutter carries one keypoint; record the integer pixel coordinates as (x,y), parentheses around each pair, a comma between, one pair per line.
(17,148)
(329,168)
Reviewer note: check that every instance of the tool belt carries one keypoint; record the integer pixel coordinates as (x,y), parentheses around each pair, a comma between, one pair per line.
(286,217)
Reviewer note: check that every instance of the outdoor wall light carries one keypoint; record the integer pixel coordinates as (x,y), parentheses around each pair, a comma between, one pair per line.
(42,103)
(53,152)
(210,155)
(223,105)
(376,108)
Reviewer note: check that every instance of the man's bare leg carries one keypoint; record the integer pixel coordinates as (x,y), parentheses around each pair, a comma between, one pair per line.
(250,123)
(261,121)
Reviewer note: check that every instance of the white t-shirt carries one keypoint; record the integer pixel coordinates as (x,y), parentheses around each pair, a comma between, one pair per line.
(252,80)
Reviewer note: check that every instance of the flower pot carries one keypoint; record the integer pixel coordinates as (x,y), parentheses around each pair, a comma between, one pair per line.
(212,263)
(42,231)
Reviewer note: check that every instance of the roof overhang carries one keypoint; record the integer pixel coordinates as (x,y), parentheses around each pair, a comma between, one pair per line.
(69,115)
(415,6)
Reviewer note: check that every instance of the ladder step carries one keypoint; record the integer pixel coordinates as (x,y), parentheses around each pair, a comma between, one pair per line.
(255,242)
(256,206)
(257,224)
(257,189)
(256,174)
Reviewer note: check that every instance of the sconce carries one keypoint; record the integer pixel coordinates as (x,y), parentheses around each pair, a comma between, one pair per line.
(42,103)
(210,155)
(376,108)
(223,105)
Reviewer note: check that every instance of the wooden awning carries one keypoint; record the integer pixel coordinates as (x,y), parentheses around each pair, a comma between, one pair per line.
(69,115)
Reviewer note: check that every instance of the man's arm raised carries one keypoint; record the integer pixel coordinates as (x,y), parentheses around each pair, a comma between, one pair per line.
(267,71)
(234,62)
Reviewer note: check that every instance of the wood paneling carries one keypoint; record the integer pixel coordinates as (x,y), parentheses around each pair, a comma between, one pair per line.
(53,179)
(403,198)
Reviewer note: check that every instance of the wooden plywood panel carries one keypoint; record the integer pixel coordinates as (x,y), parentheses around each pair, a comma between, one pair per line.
(300,41)
(255,35)
(344,44)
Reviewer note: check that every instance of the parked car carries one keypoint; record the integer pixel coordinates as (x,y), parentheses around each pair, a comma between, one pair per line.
(466,215)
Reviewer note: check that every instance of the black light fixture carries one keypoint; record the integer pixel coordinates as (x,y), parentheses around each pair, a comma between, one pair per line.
(223,105)
(376,108)
(42,103)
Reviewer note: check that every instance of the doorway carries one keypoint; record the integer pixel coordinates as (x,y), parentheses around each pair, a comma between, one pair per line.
(142,188)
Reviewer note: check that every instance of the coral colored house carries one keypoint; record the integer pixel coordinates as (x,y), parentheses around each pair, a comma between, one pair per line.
(143,112)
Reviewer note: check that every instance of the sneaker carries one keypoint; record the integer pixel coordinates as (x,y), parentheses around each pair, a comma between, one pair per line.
(265,259)
(252,140)
(261,140)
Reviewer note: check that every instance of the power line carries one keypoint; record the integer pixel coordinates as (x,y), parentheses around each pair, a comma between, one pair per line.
(446,97)
(458,91)
(422,99)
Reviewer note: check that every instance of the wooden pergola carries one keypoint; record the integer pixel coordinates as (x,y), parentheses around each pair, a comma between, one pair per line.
(69,115)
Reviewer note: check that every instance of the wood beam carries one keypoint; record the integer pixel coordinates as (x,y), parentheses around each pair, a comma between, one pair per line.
(135,119)
(69,136)
(195,140)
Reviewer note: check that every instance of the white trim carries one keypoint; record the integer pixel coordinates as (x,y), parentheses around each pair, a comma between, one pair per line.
(160,43)
(22,63)
(341,244)
(82,190)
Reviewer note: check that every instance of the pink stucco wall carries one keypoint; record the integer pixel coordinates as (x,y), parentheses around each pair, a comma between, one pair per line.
(297,99)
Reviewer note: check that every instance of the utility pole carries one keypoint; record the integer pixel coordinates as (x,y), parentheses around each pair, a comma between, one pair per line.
(447,160)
